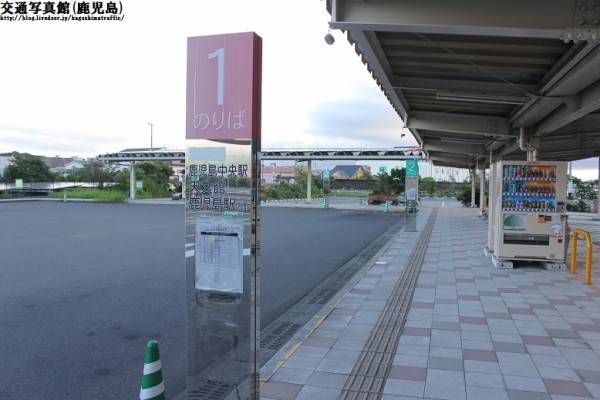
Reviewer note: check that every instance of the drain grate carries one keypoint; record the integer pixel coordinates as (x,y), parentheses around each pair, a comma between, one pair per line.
(346,274)
(367,379)
(322,296)
(279,336)
(221,298)
(210,391)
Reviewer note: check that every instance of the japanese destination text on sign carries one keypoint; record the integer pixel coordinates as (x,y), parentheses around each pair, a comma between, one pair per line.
(221,91)
(211,194)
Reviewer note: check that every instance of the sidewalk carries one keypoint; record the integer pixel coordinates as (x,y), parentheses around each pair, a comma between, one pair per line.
(431,318)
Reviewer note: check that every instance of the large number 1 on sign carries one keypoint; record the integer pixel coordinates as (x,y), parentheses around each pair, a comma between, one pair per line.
(220,54)
(222,85)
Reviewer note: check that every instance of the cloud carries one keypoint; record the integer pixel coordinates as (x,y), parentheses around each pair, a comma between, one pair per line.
(91,88)
(586,169)
(362,118)
(588,163)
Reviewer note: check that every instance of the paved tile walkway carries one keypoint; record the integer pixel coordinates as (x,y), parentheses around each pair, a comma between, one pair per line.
(472,331)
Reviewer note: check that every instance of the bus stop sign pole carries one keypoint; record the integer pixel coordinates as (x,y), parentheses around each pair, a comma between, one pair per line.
(223,115)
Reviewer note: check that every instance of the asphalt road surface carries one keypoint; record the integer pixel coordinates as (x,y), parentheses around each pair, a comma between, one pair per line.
(84,287)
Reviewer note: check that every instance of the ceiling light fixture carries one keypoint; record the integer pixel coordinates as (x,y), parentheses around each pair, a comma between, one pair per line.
(494,98)
(463,141)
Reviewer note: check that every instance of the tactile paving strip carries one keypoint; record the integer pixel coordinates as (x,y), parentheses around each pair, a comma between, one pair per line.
(370,372)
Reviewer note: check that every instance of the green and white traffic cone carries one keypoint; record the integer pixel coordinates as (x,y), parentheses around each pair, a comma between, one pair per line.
(153,387)
(386,209)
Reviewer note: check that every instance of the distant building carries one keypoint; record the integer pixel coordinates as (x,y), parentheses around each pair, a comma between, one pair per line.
(426,169)
(64,164)
(178,171)
(270,174)
(443,174)
(133,150)
(57,163)
(75,165)
(348,171)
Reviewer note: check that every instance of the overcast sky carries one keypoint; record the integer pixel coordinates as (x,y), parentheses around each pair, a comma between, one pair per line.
(87,88)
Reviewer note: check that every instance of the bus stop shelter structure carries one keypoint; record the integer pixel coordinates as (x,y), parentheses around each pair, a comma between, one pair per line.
(477,82)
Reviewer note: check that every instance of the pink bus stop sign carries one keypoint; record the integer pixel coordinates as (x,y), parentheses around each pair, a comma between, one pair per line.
(223,86)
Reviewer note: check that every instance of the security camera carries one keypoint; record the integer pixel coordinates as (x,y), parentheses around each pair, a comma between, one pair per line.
(329,39)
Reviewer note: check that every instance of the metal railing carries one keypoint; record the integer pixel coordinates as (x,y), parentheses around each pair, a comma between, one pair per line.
(588,258)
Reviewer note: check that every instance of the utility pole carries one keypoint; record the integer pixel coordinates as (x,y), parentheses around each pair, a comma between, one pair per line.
(151,147)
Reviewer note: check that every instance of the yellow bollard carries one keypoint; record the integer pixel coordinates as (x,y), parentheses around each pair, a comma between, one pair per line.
(574,252)
(588,258)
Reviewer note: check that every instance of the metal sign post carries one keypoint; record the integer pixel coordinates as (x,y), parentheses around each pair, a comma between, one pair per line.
(326,190)
(412,192)
(222,215)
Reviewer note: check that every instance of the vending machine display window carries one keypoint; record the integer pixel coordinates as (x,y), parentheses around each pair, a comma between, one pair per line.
(529,188)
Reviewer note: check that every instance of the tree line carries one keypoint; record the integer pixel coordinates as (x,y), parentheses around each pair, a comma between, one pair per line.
(394,182)
(155,175)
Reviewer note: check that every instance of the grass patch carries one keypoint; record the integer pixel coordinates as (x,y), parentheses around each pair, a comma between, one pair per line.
(147,195)
(351,193)
(105,195)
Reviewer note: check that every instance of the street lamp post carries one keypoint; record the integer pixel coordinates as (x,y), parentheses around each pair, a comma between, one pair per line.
(151,147)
